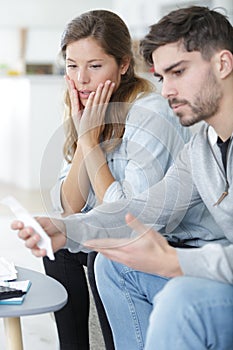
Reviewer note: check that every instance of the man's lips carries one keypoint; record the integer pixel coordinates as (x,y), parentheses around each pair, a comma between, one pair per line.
(176,105)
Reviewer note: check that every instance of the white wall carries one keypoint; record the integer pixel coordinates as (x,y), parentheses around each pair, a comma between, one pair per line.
(44,13)
(142,13)
(31,112)
(44,21)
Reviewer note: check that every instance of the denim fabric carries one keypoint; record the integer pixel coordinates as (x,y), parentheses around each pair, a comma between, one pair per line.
(192,313)
(133,293)
(150,312)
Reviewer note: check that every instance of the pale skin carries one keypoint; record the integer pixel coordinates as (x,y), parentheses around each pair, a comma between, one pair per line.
(92,77)
(150,252)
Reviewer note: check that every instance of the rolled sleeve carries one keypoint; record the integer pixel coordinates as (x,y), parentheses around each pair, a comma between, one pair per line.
(212,261)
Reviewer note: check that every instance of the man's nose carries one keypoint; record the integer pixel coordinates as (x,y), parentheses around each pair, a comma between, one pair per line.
(168,89)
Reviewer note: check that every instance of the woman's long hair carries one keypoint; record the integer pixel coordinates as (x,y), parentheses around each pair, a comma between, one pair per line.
(113,36)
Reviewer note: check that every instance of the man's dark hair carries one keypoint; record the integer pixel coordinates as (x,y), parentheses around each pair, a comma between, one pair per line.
(197,28)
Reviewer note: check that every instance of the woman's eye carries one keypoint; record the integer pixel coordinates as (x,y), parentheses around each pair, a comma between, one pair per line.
(71,66)
(95,66)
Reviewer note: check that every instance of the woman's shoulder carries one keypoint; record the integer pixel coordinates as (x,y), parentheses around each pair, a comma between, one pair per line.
(150,100)
(150,105)
(153,110)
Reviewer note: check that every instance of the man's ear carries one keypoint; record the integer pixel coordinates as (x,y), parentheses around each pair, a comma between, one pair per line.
(225,63)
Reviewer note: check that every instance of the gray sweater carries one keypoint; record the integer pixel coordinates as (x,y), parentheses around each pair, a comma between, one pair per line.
(181,206)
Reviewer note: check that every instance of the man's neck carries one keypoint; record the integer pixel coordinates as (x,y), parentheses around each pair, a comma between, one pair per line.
(223,131)
(222,122)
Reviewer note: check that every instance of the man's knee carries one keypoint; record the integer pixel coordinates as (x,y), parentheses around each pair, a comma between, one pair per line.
(177,293)
(102,266)
(106,270)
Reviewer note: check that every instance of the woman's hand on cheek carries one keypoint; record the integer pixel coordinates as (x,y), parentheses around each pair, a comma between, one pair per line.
(76,106)
(93,119)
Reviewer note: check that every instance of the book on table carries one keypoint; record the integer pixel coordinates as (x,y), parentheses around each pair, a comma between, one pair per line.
(13,292)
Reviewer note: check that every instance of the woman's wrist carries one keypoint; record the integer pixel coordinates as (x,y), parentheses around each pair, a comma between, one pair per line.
(87,144)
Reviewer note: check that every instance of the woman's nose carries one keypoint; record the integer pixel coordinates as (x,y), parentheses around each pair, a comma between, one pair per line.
(82,76)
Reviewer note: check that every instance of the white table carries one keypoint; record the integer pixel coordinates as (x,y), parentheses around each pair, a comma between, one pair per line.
(45,295)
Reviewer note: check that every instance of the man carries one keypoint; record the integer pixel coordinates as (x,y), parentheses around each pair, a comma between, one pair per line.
(188,292)
(191,50)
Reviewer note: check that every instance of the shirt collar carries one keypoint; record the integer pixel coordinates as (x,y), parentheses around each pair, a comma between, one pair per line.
(212,135)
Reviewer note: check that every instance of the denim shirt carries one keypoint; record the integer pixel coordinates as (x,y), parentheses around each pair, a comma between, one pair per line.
(152,139)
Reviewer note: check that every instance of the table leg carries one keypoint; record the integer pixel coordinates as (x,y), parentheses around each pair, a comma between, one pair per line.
(13,333)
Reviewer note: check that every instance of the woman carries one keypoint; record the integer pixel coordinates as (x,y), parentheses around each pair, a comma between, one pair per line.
(121,137)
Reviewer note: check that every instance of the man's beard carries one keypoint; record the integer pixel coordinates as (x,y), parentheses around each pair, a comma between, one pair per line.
(206,102)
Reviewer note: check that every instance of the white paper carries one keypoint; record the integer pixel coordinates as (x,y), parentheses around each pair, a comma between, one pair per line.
(7,270)
(23,215)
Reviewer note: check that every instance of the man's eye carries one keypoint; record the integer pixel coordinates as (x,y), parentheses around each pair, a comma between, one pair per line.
(159,78)
(178,72)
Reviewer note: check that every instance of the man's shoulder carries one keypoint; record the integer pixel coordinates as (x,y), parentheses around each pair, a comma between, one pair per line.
(199,134)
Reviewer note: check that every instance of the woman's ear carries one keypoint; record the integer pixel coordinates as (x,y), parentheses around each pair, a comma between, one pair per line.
(225,63)
(125,65)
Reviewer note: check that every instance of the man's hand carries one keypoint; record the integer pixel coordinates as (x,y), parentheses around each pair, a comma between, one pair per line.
(53,227)
(149,252)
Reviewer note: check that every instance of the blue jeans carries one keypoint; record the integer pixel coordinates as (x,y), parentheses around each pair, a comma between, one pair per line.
(127,296)
(150,312)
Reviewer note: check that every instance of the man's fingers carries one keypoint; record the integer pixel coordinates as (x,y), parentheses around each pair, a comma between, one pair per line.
(136,225)
(32,241)
(39,252)
(25,233)
(17,225)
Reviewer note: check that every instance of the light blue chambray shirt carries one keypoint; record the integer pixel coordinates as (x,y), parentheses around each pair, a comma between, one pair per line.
(152,139)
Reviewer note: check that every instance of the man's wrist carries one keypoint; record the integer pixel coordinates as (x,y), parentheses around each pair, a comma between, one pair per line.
(175,269)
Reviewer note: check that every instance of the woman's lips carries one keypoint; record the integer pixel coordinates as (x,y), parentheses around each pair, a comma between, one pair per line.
(84,94)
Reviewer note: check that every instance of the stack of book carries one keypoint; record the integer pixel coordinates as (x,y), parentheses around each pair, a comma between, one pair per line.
(12,292)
